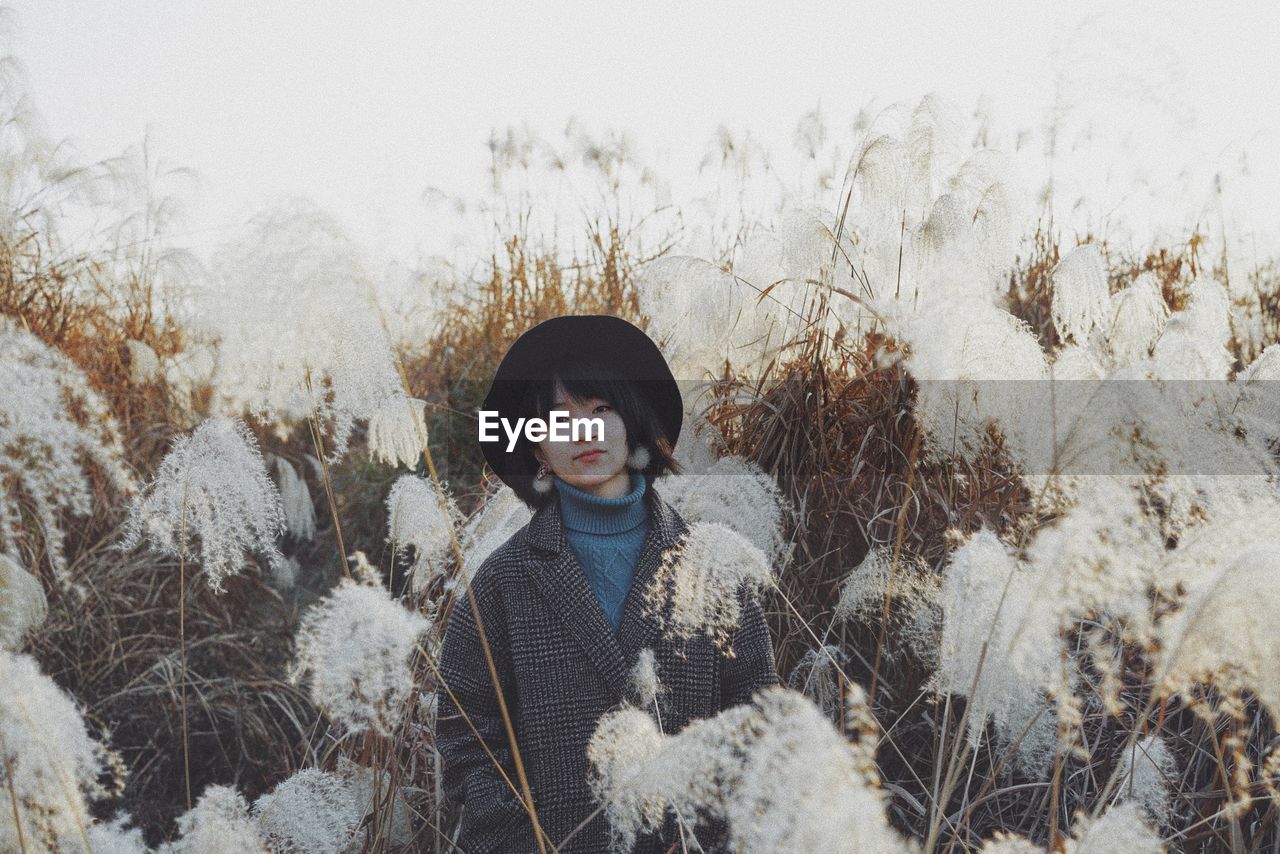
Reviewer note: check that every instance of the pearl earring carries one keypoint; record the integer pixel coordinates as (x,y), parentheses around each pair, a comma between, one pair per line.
(638,459)
(542,481)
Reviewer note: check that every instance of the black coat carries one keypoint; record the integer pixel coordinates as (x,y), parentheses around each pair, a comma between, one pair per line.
(561,667)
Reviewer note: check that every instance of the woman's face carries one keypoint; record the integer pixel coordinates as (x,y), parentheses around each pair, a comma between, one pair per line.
(598,466)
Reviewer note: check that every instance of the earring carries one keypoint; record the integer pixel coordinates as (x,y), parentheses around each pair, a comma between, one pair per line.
(542,481)
(638,459)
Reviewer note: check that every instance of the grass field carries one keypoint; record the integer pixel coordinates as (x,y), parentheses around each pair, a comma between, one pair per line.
(1012,491)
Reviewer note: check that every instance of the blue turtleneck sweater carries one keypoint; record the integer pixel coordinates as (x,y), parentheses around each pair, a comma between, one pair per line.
(606,534)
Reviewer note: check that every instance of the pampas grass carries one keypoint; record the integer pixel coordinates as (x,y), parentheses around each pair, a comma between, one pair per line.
(424,520)
(312,812)
(1008,502)
(353,650)
(50,763)
(218,824)
(211,488)
(775,770)
(23,605)
(50,421)
(295,501)
(702,580)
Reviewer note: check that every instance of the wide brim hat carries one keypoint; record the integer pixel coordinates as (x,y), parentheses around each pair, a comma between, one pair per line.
(599,339)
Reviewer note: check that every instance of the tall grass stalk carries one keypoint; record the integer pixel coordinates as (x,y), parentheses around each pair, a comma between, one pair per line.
(318,444)
(13,794)
(182,642)
(893,565)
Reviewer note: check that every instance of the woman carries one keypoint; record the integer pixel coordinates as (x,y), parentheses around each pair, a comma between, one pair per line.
(561,602)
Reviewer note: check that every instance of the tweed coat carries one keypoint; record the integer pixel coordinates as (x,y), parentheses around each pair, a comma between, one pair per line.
(561,667)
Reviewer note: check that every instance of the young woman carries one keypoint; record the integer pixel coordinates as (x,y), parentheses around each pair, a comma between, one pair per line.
(561,602)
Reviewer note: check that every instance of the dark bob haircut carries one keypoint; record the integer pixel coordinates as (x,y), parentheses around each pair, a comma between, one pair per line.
(582,379)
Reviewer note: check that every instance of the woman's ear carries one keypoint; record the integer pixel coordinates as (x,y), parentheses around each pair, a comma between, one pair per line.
(542,480)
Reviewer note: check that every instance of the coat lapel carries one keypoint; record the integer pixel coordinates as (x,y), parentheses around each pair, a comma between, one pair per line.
(559,577)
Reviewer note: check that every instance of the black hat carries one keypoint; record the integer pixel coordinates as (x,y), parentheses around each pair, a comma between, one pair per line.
(598,340)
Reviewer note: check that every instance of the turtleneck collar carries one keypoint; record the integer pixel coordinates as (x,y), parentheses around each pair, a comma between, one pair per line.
(582,511)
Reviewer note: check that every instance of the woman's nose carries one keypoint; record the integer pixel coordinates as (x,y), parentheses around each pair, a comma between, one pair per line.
(585,435)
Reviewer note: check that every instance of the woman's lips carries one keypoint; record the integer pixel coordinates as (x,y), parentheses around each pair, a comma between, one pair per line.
(589,456)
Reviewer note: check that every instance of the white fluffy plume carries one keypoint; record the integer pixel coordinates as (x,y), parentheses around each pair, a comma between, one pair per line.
(213,487)
(51,765)
(301,334)
(219,823)
(425,520)
(708,573)
(736,493)
(775,770)
(22,602)
(354,649)
(1147,772)
(311,812)
(295,501)
(1081,297)
(500,517)
(44,446)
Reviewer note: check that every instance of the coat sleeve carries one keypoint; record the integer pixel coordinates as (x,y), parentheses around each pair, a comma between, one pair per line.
(752,667)
(492,817)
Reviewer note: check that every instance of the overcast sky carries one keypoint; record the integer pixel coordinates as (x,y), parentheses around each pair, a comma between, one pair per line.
(363,105)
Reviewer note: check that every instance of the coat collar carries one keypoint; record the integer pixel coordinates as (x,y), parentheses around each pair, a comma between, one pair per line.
(558,575)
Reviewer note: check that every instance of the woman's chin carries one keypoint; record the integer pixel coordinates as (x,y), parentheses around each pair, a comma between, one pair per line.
(588,479)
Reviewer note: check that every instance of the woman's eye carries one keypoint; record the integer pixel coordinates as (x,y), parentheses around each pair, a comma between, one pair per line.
(606,407)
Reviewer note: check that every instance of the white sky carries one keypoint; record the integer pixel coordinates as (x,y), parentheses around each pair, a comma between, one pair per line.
(363,105)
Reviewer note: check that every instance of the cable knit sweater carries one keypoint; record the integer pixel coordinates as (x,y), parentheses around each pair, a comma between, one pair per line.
(606,534)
